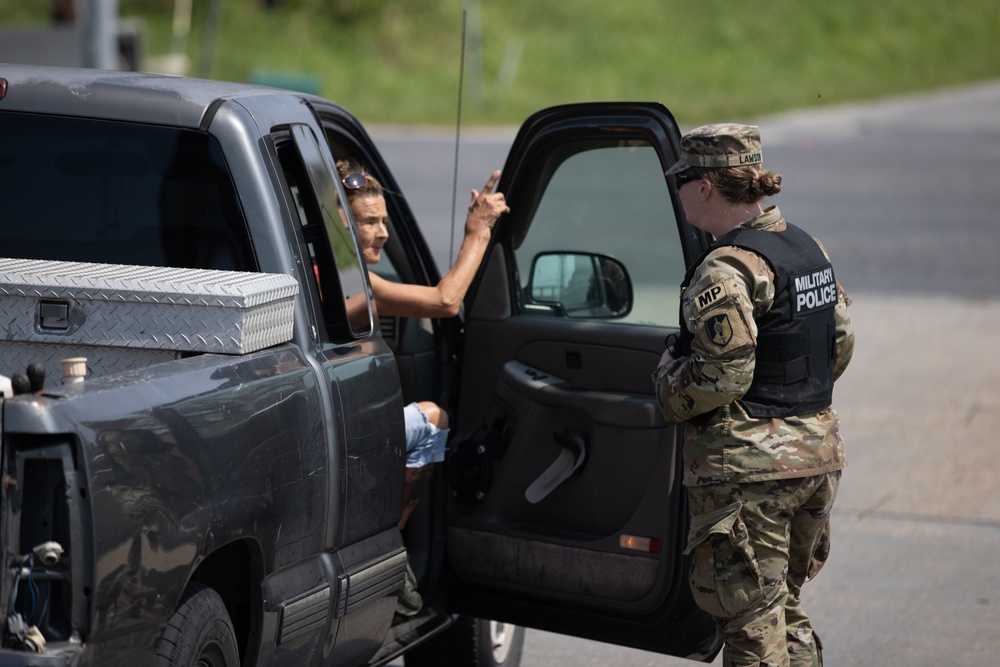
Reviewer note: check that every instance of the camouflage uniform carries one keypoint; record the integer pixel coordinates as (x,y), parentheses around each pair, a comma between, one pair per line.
(760,490)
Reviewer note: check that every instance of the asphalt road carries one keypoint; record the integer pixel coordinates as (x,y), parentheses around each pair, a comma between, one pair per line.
(904,194)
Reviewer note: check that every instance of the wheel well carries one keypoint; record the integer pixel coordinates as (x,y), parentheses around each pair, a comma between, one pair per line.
(235,571)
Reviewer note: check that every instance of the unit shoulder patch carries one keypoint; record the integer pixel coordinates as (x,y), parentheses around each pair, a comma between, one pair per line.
(720,331)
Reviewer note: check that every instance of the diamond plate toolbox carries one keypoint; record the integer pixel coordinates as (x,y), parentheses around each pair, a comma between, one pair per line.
(146,308)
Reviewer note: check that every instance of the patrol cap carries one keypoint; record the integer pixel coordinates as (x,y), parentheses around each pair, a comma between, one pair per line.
(718,146)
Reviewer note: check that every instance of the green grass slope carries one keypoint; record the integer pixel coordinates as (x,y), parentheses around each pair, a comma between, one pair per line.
(398,61)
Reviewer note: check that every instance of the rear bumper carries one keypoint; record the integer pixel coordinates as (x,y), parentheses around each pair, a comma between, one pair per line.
(55,655)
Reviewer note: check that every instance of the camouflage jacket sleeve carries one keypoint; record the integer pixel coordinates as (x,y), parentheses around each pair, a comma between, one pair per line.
(845,330)
(730,287)
(845,333)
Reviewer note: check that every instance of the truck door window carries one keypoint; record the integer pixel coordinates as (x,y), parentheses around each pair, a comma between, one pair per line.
(330,242)
(599,201)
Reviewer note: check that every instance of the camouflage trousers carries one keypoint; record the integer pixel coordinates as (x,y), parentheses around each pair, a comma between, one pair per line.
(754,546)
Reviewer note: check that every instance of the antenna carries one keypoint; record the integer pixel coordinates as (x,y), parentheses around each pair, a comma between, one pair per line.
(458,131)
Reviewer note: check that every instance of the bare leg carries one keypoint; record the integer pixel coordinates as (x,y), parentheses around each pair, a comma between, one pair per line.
(435,415)
(417,480)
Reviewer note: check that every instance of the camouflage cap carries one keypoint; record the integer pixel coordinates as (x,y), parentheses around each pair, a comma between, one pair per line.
(717,146)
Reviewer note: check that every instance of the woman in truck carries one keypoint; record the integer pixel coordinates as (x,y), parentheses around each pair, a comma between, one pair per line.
(426,422)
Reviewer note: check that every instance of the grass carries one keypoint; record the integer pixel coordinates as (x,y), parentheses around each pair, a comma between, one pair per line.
(398,61)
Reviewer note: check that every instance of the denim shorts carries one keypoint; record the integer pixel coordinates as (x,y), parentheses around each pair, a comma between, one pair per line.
(425,442)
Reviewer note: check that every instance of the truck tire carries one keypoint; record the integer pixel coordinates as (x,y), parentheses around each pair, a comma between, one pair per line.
(200,633)
(471,642)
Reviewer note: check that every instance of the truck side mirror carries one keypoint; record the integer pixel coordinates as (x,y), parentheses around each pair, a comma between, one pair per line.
(580,285)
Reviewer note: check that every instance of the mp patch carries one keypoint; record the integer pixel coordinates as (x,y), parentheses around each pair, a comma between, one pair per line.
(720,331)
(710,296)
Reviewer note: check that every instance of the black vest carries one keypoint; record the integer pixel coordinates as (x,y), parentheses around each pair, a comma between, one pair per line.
(796,338)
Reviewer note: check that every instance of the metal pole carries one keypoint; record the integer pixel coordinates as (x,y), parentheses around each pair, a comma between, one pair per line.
(100,33)
(477,92)
(208,39)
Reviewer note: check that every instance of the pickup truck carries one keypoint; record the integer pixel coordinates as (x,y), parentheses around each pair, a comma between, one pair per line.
(222,484)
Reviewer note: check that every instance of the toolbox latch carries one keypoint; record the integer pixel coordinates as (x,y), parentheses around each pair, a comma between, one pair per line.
(53,315)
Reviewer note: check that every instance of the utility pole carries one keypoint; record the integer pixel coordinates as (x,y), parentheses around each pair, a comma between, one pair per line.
(477,94)
(100,33)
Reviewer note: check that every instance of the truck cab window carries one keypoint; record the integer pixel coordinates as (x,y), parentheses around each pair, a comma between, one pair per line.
(118,193)
(330,245)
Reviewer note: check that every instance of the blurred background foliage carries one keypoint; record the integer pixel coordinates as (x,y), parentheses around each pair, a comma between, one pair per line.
(398,61)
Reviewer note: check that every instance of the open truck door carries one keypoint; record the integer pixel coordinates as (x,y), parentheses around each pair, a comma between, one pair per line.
(566,510)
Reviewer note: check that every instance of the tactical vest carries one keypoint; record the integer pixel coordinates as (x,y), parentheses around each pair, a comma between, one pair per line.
(796,338)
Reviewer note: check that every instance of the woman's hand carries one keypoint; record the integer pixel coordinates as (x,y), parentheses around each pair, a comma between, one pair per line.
(486,207)
(445,298)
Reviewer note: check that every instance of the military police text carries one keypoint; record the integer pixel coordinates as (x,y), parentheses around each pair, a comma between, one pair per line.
(815,290)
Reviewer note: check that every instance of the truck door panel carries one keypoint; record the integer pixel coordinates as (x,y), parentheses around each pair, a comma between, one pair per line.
(618,491)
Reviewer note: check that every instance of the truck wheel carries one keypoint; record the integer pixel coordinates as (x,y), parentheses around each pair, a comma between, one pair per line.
(471,642)
(200,633)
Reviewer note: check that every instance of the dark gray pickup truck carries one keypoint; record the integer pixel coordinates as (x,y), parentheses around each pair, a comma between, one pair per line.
(222,485)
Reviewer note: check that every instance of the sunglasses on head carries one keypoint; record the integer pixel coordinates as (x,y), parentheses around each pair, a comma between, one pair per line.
(355,181)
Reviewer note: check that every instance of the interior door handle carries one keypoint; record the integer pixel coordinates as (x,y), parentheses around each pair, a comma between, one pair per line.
(572,455)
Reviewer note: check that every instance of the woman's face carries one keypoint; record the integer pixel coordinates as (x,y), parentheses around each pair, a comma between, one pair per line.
(371,215)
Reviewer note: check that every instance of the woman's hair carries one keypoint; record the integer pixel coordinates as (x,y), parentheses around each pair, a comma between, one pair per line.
(742,185)
(370,188)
